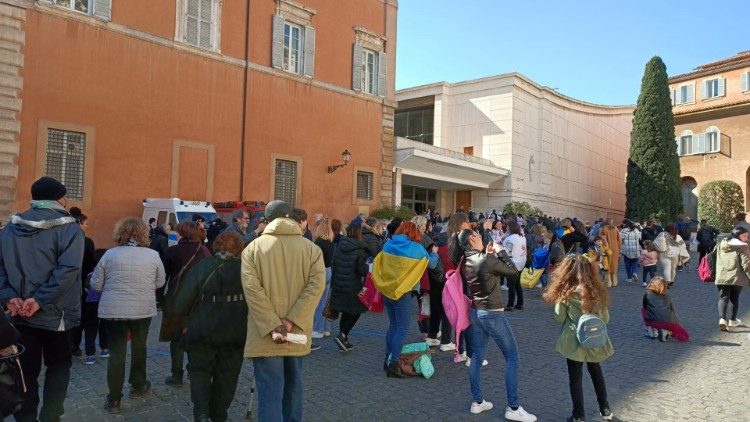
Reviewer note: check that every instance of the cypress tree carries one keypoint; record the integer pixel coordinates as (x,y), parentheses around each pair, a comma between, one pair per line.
(653,181)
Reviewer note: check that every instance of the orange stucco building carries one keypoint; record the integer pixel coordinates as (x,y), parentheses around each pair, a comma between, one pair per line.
(197,99)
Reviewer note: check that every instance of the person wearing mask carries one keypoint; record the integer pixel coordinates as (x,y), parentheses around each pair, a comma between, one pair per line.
(631,249)
(483,271)
(576,290)
(349,269)
(706,237)
(87,266)
(212,300)
(240,220)
(180,258)
(283,277)
(515,245)
(41,251)
(127,276)
(324,240)
(732,269)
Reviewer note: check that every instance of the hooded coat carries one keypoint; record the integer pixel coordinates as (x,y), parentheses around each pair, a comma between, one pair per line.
(41,251)
(568,313)
(349,267)
(732,263)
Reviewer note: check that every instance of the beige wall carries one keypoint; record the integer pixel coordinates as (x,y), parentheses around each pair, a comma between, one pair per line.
(732,88)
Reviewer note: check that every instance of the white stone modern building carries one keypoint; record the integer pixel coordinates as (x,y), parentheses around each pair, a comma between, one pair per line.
(486,142)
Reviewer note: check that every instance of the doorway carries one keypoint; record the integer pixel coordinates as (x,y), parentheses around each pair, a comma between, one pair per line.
(689,197)
(463,199)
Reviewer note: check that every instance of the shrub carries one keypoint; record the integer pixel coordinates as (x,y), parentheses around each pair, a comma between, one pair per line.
(523,208)
(718,202)
(386,213)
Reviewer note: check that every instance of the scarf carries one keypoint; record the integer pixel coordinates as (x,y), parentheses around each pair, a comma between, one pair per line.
(130,242)
(48,204)
(225,255)
(671,241)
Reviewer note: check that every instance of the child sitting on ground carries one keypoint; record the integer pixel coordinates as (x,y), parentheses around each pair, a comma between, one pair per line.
(658,313)
(648,259)
(599,253)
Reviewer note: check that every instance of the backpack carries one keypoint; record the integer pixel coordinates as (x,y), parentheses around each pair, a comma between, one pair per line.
(455,302)
(707,267)
(591,331)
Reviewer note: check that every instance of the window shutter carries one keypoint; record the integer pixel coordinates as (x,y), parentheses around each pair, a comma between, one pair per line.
(678,96)
(722,83)
(277,51)
(673,96)
(357,68)
(704,90)
(103,9)
(382,74)
(309,53)
(205,24)
(746,81)
(690,93)
(192,21)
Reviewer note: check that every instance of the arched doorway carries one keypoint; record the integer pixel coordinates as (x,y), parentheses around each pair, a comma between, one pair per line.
(689,197)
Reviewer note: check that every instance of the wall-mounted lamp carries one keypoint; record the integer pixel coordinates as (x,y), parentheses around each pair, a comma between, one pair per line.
(346,155)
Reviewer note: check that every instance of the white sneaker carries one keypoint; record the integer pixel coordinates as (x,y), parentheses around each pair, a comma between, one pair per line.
(316,334)
(722,324)
(446,347)
(735,322)
(481,407)
(504,287)
(460,358)
(519,415)
(432,342)
(643,284)
(326,334)
(468,362)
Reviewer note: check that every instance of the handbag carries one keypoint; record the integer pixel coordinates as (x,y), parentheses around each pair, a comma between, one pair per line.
(530,277)
(172,324)
(370,296)
(12,383)
(328,313)
(93,296)
(406,363)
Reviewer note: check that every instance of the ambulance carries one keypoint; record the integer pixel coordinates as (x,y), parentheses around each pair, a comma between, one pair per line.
(175,211)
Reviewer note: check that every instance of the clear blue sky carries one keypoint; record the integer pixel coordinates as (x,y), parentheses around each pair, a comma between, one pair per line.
(592,50)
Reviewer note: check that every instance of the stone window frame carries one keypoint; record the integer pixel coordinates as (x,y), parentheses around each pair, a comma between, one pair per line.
(360,201)
(295,12)
(272,179)
(181,22)
(367,40)
(174,183)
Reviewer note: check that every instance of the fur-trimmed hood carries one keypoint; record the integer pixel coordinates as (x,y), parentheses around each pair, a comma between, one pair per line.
(37,219)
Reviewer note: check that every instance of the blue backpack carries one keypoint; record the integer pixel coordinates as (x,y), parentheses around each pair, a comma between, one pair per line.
(591,331)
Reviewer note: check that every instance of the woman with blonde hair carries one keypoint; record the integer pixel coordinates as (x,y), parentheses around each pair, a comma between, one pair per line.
(576,291)
(128,276)
(324,239)
(614,240)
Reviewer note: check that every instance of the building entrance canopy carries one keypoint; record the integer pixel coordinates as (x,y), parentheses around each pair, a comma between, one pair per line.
(439,168)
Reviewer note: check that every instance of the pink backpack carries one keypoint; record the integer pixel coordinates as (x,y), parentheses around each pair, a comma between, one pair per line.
(455,303)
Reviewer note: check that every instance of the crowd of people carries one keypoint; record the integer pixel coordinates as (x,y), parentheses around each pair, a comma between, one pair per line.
(270,291)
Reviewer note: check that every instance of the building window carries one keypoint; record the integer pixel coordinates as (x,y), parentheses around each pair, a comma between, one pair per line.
(712,88)
(415,124)
(98,8)
(686,145)
(292,44)
(200,23)
(364,185)
(65,160)
(713,139)
(285,184)
(745,77)
(701,143)
(293,47)
(369,71)
(419,200)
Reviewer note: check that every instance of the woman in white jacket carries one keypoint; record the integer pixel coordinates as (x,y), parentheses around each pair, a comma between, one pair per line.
(128,276)
(671,247)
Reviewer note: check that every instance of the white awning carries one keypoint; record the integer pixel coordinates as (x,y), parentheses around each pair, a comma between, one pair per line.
(439,168)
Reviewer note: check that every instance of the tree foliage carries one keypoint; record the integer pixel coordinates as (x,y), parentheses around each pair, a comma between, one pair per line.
(718,202)
(523,208)
(653,181)
(386,213)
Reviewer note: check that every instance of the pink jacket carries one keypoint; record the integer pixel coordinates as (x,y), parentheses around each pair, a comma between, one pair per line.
(647,258)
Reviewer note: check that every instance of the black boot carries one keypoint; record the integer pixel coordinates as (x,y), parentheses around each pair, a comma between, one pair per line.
(394,371)
(175,380)
(385,363)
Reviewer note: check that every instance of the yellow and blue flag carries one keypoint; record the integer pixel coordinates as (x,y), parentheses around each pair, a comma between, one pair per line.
(399,267)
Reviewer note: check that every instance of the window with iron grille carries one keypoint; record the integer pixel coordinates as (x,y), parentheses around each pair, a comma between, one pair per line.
(364,185)
(285,185)
(65,160)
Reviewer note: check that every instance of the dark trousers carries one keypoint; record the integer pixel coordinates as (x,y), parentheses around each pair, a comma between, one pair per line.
(118,342)
(76,333)
(177,354)
(54,347)
(703,250)
(729,300)
(438,319)
(649,272)
(515,292)
(214,370)
(347,322)
(93,326)
(575,380)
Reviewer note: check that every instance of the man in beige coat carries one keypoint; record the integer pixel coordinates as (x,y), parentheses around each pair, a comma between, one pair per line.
(283,277)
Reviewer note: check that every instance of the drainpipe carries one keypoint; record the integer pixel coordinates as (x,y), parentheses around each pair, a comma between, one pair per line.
(244,103)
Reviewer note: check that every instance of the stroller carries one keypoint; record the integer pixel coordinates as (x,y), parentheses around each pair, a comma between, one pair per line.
(12,383)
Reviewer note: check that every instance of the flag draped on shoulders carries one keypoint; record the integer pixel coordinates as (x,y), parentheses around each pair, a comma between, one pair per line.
(399,267)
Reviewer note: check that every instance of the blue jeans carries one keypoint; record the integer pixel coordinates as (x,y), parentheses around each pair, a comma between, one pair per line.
(649,270)
(279,384)
(399,315)
(544,278)
(320,323)
(631,266)
(486,324)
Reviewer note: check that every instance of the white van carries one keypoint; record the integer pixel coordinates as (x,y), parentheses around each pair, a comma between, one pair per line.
(175,211)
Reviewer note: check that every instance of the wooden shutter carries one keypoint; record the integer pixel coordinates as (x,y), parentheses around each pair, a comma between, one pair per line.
(678,95)
(192,20)
(357,68)
(277,49)
(704,90)
(382,74)
(673,96)
(690,93)
(204,33)
(103,9)
(722,83)
(309,53)
(745,81)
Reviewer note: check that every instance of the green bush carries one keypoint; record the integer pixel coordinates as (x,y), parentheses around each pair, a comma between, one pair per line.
(523,208)
(386,213)
(718,202)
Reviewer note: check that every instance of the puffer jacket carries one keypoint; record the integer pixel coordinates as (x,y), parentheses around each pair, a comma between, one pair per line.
(212,298)
(127,276)
(567,313)
(160,243)
(349,267)
(483,274)
(283,276)
(658,308)
(732,263)
(372,240)
(41,251)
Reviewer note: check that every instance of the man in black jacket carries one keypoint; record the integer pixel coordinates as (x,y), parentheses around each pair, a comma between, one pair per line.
(706,237)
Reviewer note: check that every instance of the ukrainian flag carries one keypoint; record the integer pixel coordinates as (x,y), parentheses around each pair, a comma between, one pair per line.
(399,267)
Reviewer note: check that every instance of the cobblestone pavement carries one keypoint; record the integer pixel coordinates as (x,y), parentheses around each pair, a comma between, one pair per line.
(704,379)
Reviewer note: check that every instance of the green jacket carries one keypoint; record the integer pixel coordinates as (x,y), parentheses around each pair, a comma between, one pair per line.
(732,263)
(567,314)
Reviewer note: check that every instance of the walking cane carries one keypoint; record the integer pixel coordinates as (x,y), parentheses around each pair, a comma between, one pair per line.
(249,413)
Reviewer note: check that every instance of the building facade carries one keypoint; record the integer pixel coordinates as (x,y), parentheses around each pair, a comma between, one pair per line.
(197,99)
(711,108)
(518,141)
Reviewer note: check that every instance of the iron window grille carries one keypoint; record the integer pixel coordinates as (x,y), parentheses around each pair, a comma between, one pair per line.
(65,160)
(364,185)
(285,183)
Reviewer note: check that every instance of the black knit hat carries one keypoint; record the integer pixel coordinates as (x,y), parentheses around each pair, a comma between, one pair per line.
(277,209)
(47,188)
(198,218)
